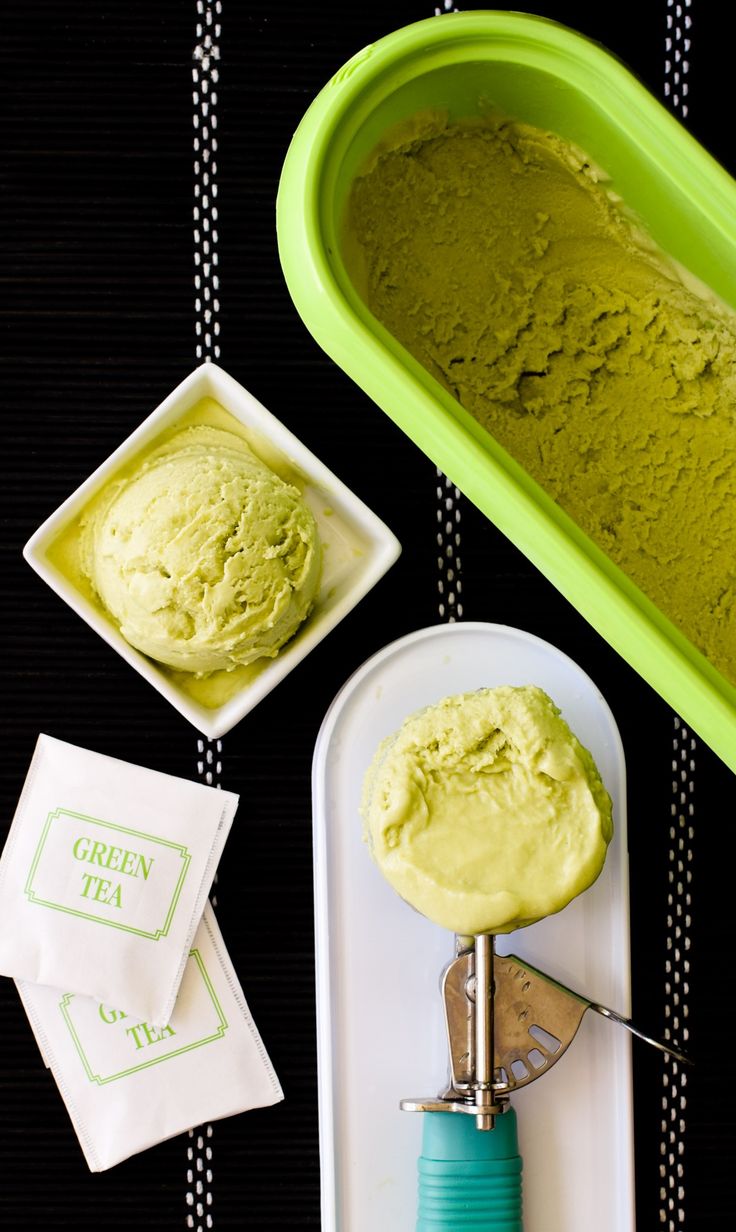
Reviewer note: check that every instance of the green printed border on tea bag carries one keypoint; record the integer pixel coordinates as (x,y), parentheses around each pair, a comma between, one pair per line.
(109,825)
(218,1033)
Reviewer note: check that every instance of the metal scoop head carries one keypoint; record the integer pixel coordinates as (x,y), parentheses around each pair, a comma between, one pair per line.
(522,1018)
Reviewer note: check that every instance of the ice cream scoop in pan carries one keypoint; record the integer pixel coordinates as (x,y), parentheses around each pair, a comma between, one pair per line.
(507,1024)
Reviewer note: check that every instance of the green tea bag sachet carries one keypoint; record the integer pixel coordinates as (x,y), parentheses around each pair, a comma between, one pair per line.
(128,1085)
(104,877)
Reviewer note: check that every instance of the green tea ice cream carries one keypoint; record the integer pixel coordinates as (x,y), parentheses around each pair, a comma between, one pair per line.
(492,251)
(485,812)
(203,556)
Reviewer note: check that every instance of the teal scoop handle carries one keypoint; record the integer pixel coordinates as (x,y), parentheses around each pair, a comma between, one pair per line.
(469,1178)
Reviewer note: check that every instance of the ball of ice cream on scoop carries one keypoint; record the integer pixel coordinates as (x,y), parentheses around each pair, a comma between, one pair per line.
(205,558)
(485,812)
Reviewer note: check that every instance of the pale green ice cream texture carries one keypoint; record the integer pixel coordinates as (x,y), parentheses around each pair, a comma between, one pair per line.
(204,557)
(485,812)
(496,255)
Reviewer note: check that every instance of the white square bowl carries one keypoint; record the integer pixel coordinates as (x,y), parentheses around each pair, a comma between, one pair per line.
(357,547)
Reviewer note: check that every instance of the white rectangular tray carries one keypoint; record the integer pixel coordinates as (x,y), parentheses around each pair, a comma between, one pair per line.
(380,1025)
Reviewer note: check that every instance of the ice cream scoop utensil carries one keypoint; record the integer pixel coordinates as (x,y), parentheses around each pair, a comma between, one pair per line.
(507,1024)
(523,1018)
(469,1179)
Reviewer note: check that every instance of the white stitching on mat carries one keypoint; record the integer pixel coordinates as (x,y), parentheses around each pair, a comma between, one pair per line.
(677,978)
(205,78)
(199,1197)
(199,1179)
(677,48)
(199,1151)
(684,747)
(449,582)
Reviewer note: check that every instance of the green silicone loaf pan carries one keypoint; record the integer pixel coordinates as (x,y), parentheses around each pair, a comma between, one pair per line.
(546,75)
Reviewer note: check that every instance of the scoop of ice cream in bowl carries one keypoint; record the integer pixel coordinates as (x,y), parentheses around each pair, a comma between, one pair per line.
(205,558)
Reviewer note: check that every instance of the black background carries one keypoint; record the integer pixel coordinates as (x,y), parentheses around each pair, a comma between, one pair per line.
(98,326)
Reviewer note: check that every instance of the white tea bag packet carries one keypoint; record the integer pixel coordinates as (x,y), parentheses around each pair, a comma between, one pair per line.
(128,1085)
(104,877)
